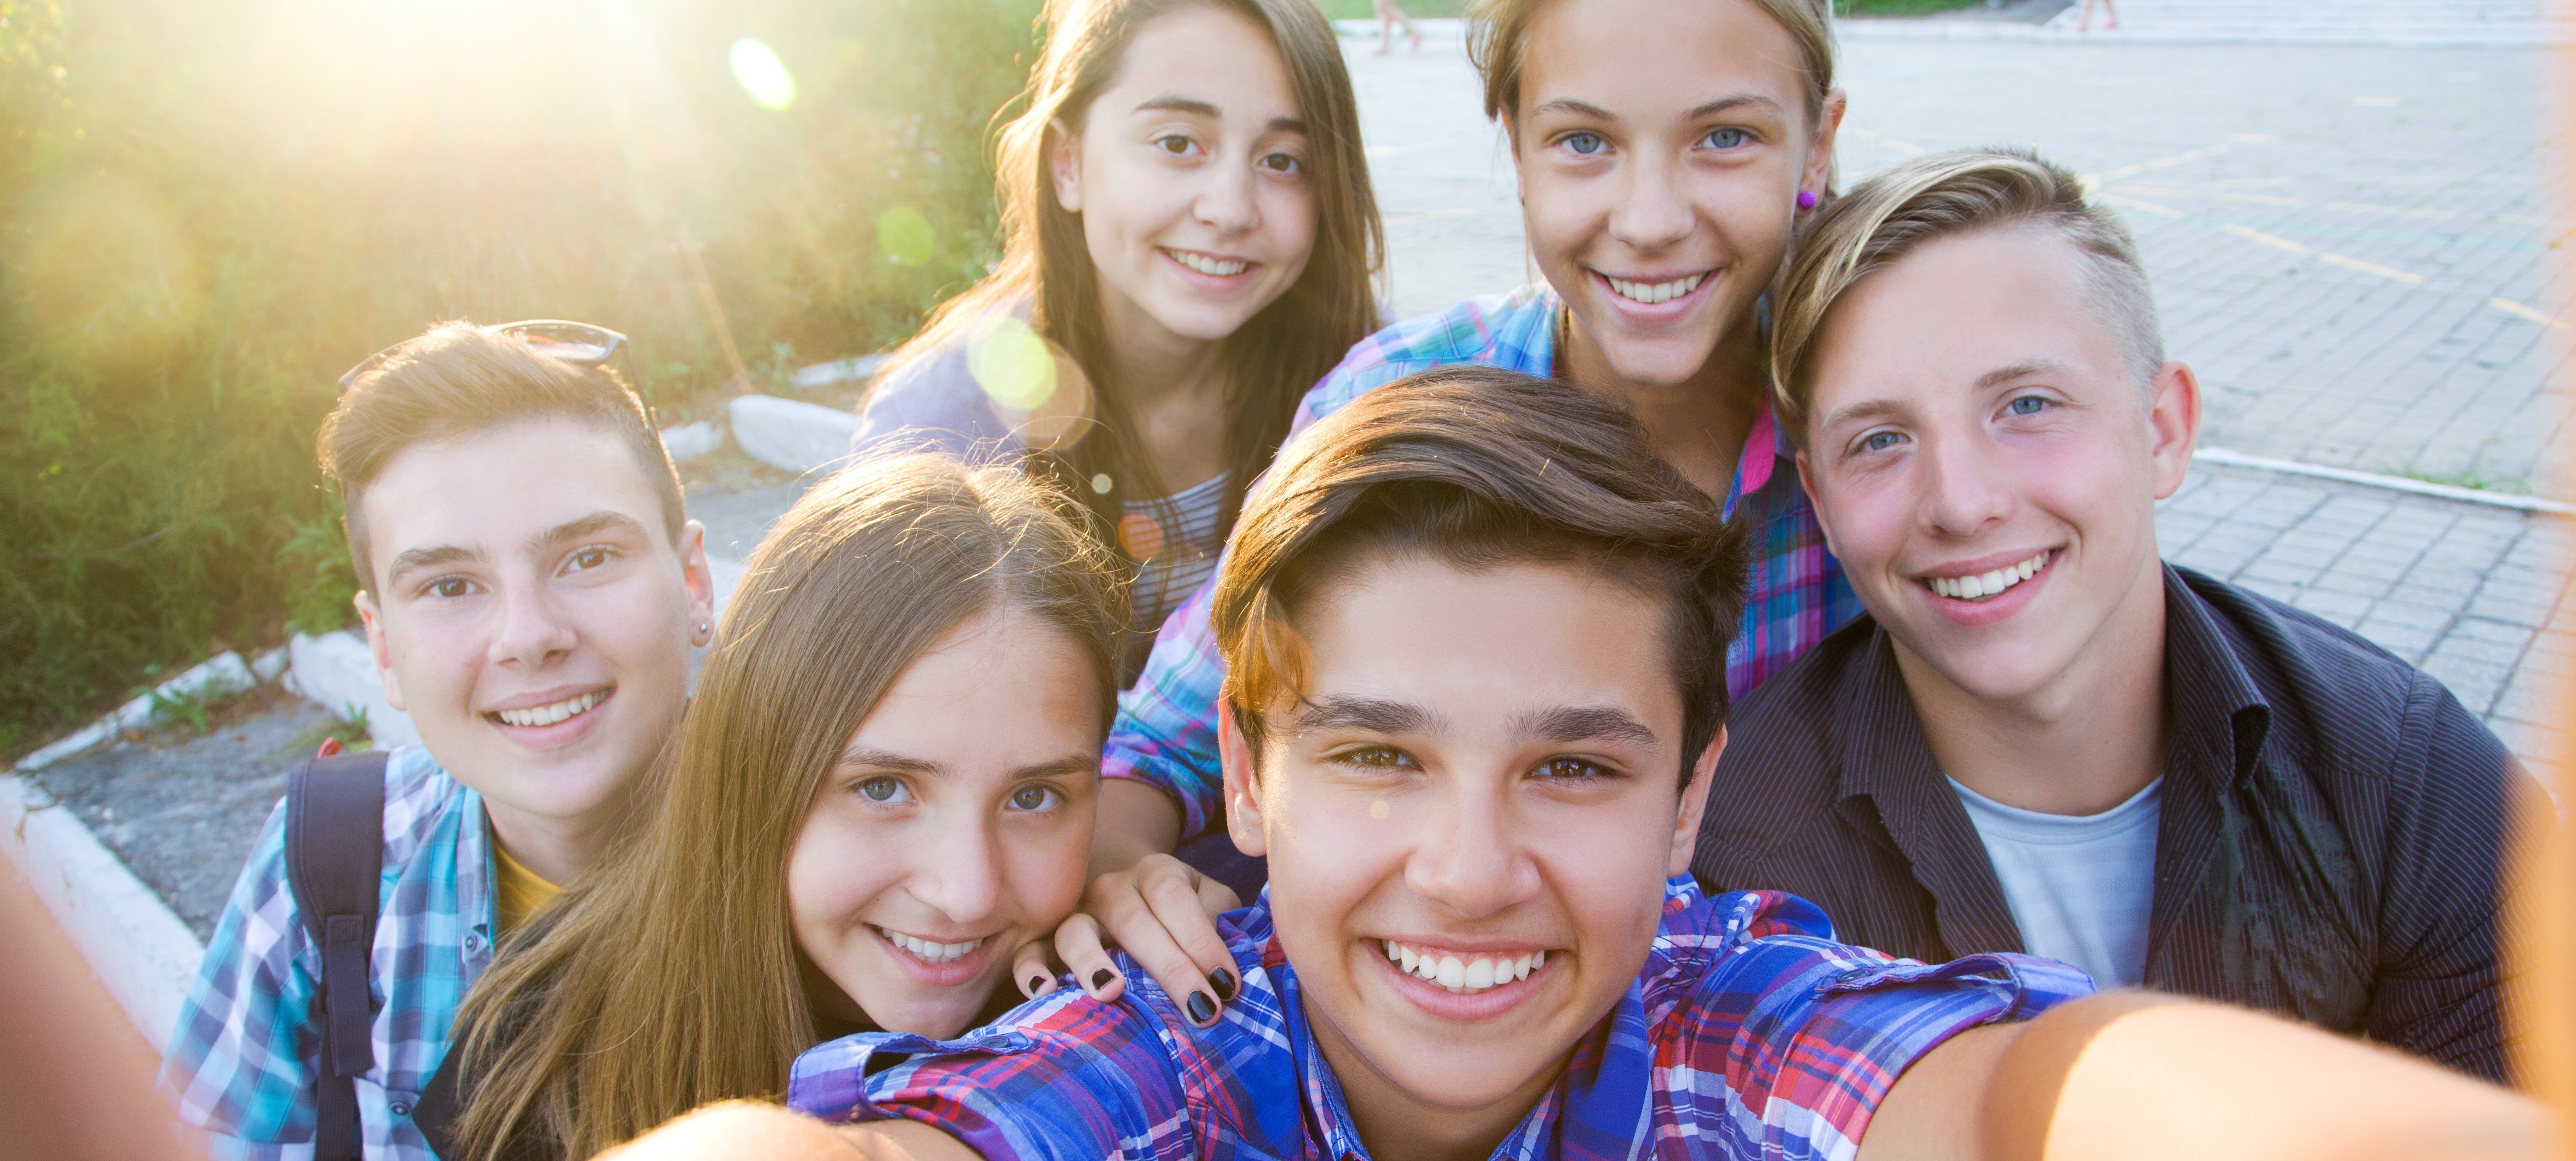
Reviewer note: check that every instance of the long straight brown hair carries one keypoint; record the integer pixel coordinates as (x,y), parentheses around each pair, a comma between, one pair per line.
(1273,358)
(668,976)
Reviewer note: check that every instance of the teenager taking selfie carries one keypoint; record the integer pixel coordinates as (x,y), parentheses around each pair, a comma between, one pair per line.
(1664,152)
(881,793)
(2043,737)
(530,588)
(1472,709)
(1189,240)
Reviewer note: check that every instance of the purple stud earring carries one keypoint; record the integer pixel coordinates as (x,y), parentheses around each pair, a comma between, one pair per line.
(1806,199)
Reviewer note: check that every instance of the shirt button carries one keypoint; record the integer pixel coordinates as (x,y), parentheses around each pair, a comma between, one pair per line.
(401,1108)
(473,943)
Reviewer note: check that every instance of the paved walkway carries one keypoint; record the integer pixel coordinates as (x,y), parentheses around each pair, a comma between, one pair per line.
(2352,244)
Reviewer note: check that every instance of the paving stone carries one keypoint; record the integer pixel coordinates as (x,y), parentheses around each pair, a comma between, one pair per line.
(2408,641)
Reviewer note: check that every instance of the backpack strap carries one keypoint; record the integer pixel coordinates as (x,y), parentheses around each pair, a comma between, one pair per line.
(335,857)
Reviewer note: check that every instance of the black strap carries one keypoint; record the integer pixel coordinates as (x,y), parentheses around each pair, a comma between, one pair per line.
(335,857)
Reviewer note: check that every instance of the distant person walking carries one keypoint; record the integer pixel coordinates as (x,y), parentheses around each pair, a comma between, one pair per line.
(2083,23)
(1388,16)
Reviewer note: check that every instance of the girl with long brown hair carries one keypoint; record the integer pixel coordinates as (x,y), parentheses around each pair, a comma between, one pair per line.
(881,793)
(1189,243)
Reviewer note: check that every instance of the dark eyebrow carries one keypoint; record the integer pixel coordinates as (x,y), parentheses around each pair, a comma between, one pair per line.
(585,528)
(1365,713)
(1175,103)
(417,559)
(2027,367)
(1287,125)
(1586,724)
(1075,764)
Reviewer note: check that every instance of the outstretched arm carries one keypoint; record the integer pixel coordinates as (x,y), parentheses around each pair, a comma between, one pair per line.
(743,1129)
(2131,1076)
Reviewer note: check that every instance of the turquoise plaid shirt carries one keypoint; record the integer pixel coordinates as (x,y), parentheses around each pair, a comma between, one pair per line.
(249,1041)
(1165,735)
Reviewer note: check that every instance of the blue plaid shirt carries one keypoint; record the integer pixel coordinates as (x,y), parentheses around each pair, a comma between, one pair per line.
(1165,735)
(1749,1034)
(249,1040)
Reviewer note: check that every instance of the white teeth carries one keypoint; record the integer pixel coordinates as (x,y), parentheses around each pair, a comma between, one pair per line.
(928,951)
(547,715)
(1206,265)
(1464,977)
(1655,292)
(1983,585)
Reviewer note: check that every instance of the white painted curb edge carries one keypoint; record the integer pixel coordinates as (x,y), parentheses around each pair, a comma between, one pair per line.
(792,436)
(136,946)
(2236,459)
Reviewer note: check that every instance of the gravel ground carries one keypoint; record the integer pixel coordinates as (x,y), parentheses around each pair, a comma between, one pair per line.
(183,809)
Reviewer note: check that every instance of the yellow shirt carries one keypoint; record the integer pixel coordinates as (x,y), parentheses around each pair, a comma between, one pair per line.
(520,892)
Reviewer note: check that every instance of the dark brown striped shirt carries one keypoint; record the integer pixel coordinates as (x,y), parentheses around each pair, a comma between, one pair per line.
(2332,827)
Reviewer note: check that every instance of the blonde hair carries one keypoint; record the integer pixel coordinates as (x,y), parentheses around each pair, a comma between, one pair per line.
(1273,358)
(668,976)
(1944,195)
(1498,42)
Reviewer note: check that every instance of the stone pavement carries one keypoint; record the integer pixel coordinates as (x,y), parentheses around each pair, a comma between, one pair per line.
(2352,244)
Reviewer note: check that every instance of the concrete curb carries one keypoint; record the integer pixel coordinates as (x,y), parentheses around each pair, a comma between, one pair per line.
(218,675)
(797,437)
(338,672)
(1897,29)
(134,943)
(2236,459)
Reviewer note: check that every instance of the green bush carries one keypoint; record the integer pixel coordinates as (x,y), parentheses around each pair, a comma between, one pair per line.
(207,212)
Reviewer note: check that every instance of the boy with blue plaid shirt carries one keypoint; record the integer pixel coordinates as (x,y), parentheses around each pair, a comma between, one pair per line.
(531,589)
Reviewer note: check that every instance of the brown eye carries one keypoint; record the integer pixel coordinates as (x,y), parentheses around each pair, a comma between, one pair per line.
(1570,769)
(449,588)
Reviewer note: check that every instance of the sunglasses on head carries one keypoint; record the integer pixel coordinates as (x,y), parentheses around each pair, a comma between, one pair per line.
(578,343)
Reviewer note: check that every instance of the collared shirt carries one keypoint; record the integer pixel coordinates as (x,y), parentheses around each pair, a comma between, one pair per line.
(1165,734)
(249,1040)
(2332,823)
(1748,1034)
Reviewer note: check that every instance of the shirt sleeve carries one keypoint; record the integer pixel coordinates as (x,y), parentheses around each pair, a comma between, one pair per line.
(1165,734)
(1075,1081)
(241,1061)
(1808,1035)
(933,404)
(2454,797)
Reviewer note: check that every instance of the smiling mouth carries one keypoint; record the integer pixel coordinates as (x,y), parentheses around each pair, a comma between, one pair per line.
(926,951)
(1651,293)
(547,715)
(1462,975)
(1205,264)
(1988,585)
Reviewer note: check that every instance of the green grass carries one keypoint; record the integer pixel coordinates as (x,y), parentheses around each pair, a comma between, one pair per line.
(1900,7)
(208,212)
(1364,10)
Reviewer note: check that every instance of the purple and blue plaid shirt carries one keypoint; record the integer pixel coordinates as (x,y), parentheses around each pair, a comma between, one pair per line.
(1749,1034)
(1165,735)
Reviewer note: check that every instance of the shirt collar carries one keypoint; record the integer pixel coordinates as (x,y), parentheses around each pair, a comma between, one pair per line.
(2220,716)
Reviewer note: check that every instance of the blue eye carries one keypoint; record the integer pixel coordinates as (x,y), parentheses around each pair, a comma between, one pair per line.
(1585,144)
(1880,441)
(882,790)
(2027,405)
(1034,798)
(1726,138)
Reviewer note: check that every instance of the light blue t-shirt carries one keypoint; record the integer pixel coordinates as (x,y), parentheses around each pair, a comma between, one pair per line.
(2080,887)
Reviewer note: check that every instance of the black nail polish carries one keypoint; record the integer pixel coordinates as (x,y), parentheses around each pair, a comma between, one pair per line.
(1224,981)
(1037,984)
(1100,979)
(1202,1009)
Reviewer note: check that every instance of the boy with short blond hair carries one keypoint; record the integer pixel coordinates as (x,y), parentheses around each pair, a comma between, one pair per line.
(531,588)
(2042,737)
